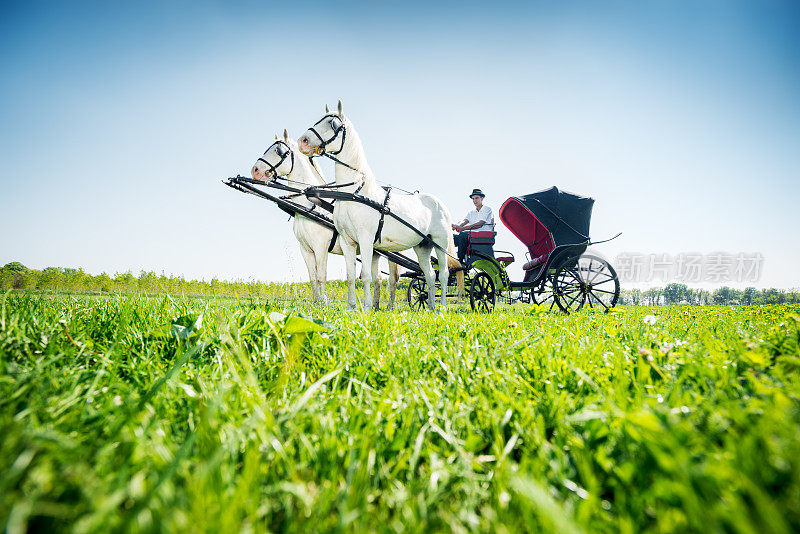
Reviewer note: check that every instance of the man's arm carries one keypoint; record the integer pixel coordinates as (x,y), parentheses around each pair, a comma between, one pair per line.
(459,227)
(473,225)
(465,227)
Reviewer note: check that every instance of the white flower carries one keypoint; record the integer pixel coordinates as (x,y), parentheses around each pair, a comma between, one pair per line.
(650,319)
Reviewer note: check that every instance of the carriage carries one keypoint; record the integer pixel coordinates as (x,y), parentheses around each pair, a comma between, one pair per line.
(554,226)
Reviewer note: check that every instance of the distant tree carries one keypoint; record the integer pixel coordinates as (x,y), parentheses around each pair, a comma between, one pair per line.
(16,267)
(652,296)
(772,296)
(748,296)
(6,279)
(102,282)
(723,295)
(675,293)
(635,296)
(694,296)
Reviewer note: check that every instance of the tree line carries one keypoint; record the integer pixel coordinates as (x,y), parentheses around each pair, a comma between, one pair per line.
(15,275)
(682,294)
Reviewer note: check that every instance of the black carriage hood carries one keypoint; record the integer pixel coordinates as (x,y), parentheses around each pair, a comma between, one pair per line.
(566,215)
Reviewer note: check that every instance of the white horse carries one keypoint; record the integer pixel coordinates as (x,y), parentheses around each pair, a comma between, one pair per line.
(283,159)
(358,224)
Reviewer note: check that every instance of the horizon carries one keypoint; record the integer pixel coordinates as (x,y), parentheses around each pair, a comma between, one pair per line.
(255,281)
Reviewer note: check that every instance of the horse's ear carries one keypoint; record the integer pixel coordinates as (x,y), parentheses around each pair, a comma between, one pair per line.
(276,137)
(326,109)
(285,135)
(340,108)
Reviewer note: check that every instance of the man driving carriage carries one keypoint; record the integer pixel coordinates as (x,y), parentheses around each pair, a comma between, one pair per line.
(479,219)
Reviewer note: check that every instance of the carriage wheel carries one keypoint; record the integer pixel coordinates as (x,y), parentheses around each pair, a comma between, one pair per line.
(545,294)
(601,282)
(569,288)
(417,294)
(481,294)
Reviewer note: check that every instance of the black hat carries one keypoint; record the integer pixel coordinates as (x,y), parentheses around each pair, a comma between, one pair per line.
(476,192)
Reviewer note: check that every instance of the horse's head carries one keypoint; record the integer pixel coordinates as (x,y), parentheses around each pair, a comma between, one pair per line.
(278,159)
(327,134)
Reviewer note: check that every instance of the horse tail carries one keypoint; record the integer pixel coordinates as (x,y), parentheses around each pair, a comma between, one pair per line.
(436,205)
(453,263)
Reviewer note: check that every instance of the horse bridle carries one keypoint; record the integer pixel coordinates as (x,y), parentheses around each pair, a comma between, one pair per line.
(338,126)
(284,151)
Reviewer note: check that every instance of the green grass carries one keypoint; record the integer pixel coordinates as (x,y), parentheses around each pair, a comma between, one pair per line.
(172,414)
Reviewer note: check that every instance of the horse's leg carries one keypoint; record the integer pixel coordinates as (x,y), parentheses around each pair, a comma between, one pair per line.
(311,265)
(424,259)
(349,253)
(365,246)
(376,276)
(444,274)
(322,272)
(393,277)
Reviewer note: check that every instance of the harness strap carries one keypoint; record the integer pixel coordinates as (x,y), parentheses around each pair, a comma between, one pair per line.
(352,197)
(333,240)
(330,156)
(332,185)
(243,184)
(384,211)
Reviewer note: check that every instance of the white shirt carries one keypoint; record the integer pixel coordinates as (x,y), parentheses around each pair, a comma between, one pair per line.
(485,214)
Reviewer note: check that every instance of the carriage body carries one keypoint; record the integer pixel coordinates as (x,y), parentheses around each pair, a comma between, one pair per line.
(554,226)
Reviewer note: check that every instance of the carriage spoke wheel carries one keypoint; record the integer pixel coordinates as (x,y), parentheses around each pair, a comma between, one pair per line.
(481,294)
(590,281)
(600,281)
(417,294)
(545,294)
(569,289)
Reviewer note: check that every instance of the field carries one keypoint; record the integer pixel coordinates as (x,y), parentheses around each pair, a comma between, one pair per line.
(122,413)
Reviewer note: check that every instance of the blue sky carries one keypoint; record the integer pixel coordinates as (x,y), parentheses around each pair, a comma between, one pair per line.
(116,123)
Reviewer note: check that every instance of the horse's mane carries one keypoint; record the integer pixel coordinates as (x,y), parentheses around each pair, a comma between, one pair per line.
(359,153)
(316,173)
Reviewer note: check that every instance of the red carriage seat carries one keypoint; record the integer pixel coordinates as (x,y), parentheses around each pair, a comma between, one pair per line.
(480,241)
(530,230)
(478,237)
